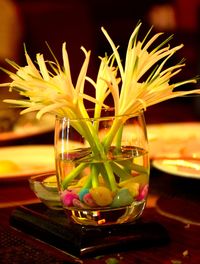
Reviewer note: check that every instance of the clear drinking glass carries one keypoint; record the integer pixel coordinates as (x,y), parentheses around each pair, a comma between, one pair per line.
(102,167)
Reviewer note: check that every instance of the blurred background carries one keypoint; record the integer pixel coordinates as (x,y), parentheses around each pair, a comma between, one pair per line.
(78,23)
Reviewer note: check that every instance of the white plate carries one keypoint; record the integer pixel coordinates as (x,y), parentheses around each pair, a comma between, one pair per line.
(31,160)
(172,140)
(176,167)
(27,125)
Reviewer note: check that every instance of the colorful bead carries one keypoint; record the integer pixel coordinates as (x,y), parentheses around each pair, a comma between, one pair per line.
(142,192)
(133,188)
(101,195)
(83,192)
(78,203)
(122,198)
(68,197)
(87,199)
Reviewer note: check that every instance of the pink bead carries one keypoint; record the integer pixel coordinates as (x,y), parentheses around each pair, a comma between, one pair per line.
(68,197)
(87,199)
(78,203)
(143,192)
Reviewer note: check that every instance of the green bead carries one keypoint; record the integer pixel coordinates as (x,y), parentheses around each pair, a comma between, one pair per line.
(122,198)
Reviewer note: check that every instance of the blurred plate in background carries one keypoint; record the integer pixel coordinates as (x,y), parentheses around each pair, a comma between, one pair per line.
(27,125)
(178,167)
(174,140)
(21,162)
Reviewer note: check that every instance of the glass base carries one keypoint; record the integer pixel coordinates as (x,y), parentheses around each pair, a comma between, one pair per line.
(54,205)
(106,216)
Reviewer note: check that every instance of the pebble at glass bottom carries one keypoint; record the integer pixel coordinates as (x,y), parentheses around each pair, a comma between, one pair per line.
(102,167)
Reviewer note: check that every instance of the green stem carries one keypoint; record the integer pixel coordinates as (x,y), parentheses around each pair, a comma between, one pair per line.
(111,177)
(117,124)
(119,137)
(73,174)
(99,152)
(88,183)
(103,172)
(94,174)
(121,171)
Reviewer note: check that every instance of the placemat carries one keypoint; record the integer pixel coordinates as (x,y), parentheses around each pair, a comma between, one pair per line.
(53,227)
(16,250)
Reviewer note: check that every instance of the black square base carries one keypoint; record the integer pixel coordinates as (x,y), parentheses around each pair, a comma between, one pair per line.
(54,228)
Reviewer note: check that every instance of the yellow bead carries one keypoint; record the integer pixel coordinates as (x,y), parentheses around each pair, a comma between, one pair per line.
(133,188)
(101,195)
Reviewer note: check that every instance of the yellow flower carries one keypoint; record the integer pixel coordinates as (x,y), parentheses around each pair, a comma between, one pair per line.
(138,88)
(50,91)
(143,80)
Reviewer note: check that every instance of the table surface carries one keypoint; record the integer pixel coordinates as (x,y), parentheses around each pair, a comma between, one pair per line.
(173,202)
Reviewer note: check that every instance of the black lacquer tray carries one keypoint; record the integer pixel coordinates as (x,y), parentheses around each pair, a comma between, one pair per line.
(54,228)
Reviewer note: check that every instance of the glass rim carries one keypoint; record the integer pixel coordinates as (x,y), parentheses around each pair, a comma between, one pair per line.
(104,117)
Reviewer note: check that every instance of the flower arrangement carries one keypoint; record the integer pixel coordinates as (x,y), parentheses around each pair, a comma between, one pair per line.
(53,91)
(47,87)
